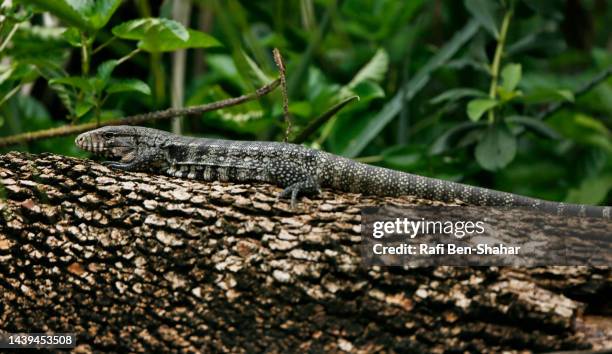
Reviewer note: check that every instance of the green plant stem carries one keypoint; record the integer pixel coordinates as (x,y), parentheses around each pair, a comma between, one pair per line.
(103,45)
(10,94)
(8,38)
(159,79)
(128,56)
(84,54)
(499,51)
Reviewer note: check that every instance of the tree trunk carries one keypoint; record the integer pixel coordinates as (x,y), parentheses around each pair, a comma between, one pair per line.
(133,261)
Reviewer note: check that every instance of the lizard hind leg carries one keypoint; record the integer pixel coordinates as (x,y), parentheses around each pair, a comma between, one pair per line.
(296,179)
(308,186)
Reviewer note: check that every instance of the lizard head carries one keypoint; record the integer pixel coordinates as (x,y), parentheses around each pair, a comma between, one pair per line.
(117,142)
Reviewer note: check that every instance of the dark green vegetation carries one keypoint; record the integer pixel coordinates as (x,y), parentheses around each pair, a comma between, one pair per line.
(511,95)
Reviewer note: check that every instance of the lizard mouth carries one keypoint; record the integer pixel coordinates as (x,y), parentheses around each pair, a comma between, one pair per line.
(87,142)
(90,142)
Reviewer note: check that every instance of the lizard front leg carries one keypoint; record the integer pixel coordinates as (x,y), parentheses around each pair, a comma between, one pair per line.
(294,177)
(134,161)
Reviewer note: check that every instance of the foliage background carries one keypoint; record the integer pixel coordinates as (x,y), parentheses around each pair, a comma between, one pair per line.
(430,102)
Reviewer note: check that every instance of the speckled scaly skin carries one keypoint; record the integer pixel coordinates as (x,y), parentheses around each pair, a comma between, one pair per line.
(298,169)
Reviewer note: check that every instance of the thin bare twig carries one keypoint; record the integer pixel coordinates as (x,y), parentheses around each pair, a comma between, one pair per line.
(138,118)
(278,59)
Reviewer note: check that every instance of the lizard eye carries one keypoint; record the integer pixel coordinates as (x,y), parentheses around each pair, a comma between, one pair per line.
(107,135)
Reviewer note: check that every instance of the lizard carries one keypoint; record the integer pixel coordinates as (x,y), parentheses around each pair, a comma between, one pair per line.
(296,168)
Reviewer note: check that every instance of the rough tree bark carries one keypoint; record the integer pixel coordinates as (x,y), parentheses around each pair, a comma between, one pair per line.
(152,263)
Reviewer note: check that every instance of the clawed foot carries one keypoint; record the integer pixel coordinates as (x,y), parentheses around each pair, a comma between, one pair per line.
(116,164)
(295,189)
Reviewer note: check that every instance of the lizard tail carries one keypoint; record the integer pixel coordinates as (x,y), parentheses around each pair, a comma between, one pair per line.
(351,176)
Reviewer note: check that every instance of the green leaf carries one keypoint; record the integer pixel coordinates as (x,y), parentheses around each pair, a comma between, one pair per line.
(456,94)
(1,120)
(37,43)
(377,122)
(591,191)
(104,73)
(368,90)
(96,12)
(82,107)
(72,36)
(511,76)
(141,28)
(537,126)
(583,129)
(445,141)
(496,149)
(256,70)
(17,71)
(163,35)
(591,123)
(476,108)
(87,15)
(548,96)
(127,85)
(484,12)
(63,10)
(374,70)
(73,81)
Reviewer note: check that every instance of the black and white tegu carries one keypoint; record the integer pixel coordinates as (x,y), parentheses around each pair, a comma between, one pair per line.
(296,168)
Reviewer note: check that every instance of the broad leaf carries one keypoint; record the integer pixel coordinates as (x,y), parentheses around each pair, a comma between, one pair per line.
(37,43)
(484,12)
(374,70)
(72,36)
(163,35)
(104,74)
(142,28)
(96,12)
(511,75)
(368,90)
(583,129)
(128,85)
(63,10)
(456,94)
(82,107)
(74,81)
(89,15)
(496,149)
(476,108)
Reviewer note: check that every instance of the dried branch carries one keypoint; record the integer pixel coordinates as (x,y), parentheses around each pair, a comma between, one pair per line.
(138,118)
(278,59)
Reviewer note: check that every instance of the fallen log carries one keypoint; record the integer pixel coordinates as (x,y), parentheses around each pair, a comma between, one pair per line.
(140,262)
